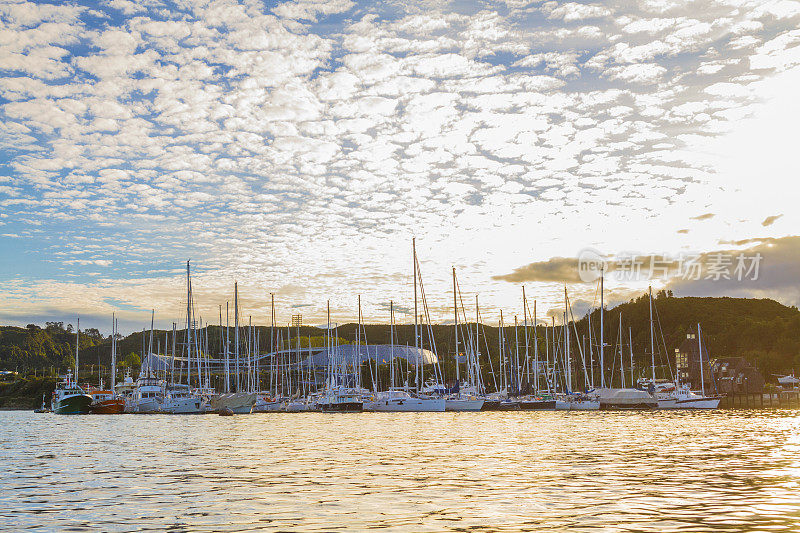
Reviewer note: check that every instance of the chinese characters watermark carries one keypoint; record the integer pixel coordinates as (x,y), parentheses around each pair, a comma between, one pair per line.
(716,266)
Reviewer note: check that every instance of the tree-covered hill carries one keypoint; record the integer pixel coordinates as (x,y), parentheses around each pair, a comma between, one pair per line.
(763,331)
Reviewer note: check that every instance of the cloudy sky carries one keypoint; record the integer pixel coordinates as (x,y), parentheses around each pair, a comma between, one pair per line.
(297,147)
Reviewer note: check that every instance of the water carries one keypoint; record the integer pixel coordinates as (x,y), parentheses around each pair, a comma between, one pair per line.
(523,471)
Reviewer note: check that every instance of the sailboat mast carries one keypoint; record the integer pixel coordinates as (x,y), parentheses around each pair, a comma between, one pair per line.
(227,348)
(455,325)
(630,348)
(652,341)
(566,341)
(527,355)
(330,346)
(621,369)
(236,332)
(150,342)
(77,347)
(602,361)
(477,340)
(416,317)
(391,340)
(501,346)
(535,352)
(113,350)
(700,349)
(172,362)
(591,352)
(516,374)
(188,325)
(272,343)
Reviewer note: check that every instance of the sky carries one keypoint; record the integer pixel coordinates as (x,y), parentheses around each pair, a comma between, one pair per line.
(297,148)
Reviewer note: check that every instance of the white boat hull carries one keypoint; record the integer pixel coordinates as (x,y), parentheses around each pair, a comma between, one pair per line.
(295,407)
(406,405)
(267,407)
(579,405)
(239,403)
(667,403)
(698,403)
(183,406)
(147,405)
(458,404)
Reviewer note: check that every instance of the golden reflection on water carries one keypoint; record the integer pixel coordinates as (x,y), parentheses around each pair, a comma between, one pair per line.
(523,471)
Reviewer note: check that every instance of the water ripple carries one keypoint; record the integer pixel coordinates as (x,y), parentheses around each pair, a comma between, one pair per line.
(469,472)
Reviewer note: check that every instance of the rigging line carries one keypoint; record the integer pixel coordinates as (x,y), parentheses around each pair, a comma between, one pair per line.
(580,349)
(663,343)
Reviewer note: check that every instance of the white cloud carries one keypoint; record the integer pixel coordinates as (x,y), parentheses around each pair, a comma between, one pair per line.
(302,145)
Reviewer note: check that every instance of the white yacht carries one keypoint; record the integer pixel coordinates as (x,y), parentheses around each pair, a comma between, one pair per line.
(180,400)
(679,396)
(267,404)
(147,396)
(625,399)
(466,399)
(577,402)
(398,400)
(463,403)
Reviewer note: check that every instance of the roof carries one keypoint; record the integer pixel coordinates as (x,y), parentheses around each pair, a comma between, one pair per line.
(383,353)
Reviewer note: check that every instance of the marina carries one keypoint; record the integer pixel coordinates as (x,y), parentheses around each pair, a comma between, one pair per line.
(450,266)
(235,376)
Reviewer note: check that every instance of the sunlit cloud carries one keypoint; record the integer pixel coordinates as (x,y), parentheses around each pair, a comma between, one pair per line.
(297,147)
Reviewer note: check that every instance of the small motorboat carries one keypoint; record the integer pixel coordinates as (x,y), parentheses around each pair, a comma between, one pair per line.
(43,408)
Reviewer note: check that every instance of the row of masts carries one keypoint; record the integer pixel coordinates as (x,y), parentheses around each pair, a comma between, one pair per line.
(289,371)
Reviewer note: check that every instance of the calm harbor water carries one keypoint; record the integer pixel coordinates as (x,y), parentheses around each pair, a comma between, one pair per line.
(522,471)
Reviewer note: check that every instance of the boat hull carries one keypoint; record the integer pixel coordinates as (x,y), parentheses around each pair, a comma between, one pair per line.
(108,407)
(295,407)
(77,404)
(267,407)
(408,405)
(144,406)
(709,402)
(491,405)
(183,406)
(690,401)
(239,403)
(341,407)
(640,406)
(581,405)
(626,400)
(537,405)
(459,404)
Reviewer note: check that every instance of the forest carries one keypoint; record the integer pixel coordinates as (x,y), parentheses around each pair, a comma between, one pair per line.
(763,331)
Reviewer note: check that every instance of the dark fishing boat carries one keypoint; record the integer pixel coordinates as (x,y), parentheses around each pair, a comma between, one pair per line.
(69,398)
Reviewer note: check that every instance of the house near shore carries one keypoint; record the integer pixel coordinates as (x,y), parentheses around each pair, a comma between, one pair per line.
(735,375)
(720,375)
(687,363)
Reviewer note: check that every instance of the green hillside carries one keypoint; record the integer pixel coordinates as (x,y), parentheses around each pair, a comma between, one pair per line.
(763,331)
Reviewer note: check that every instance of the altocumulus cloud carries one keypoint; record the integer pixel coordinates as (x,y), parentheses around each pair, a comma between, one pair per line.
(301,144)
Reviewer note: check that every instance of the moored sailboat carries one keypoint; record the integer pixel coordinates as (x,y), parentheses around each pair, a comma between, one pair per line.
(106,401)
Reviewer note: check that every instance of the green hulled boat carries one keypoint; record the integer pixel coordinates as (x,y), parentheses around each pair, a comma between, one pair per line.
(69,398)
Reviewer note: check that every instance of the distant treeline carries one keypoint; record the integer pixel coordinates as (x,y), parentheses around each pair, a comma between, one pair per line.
(763,331)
